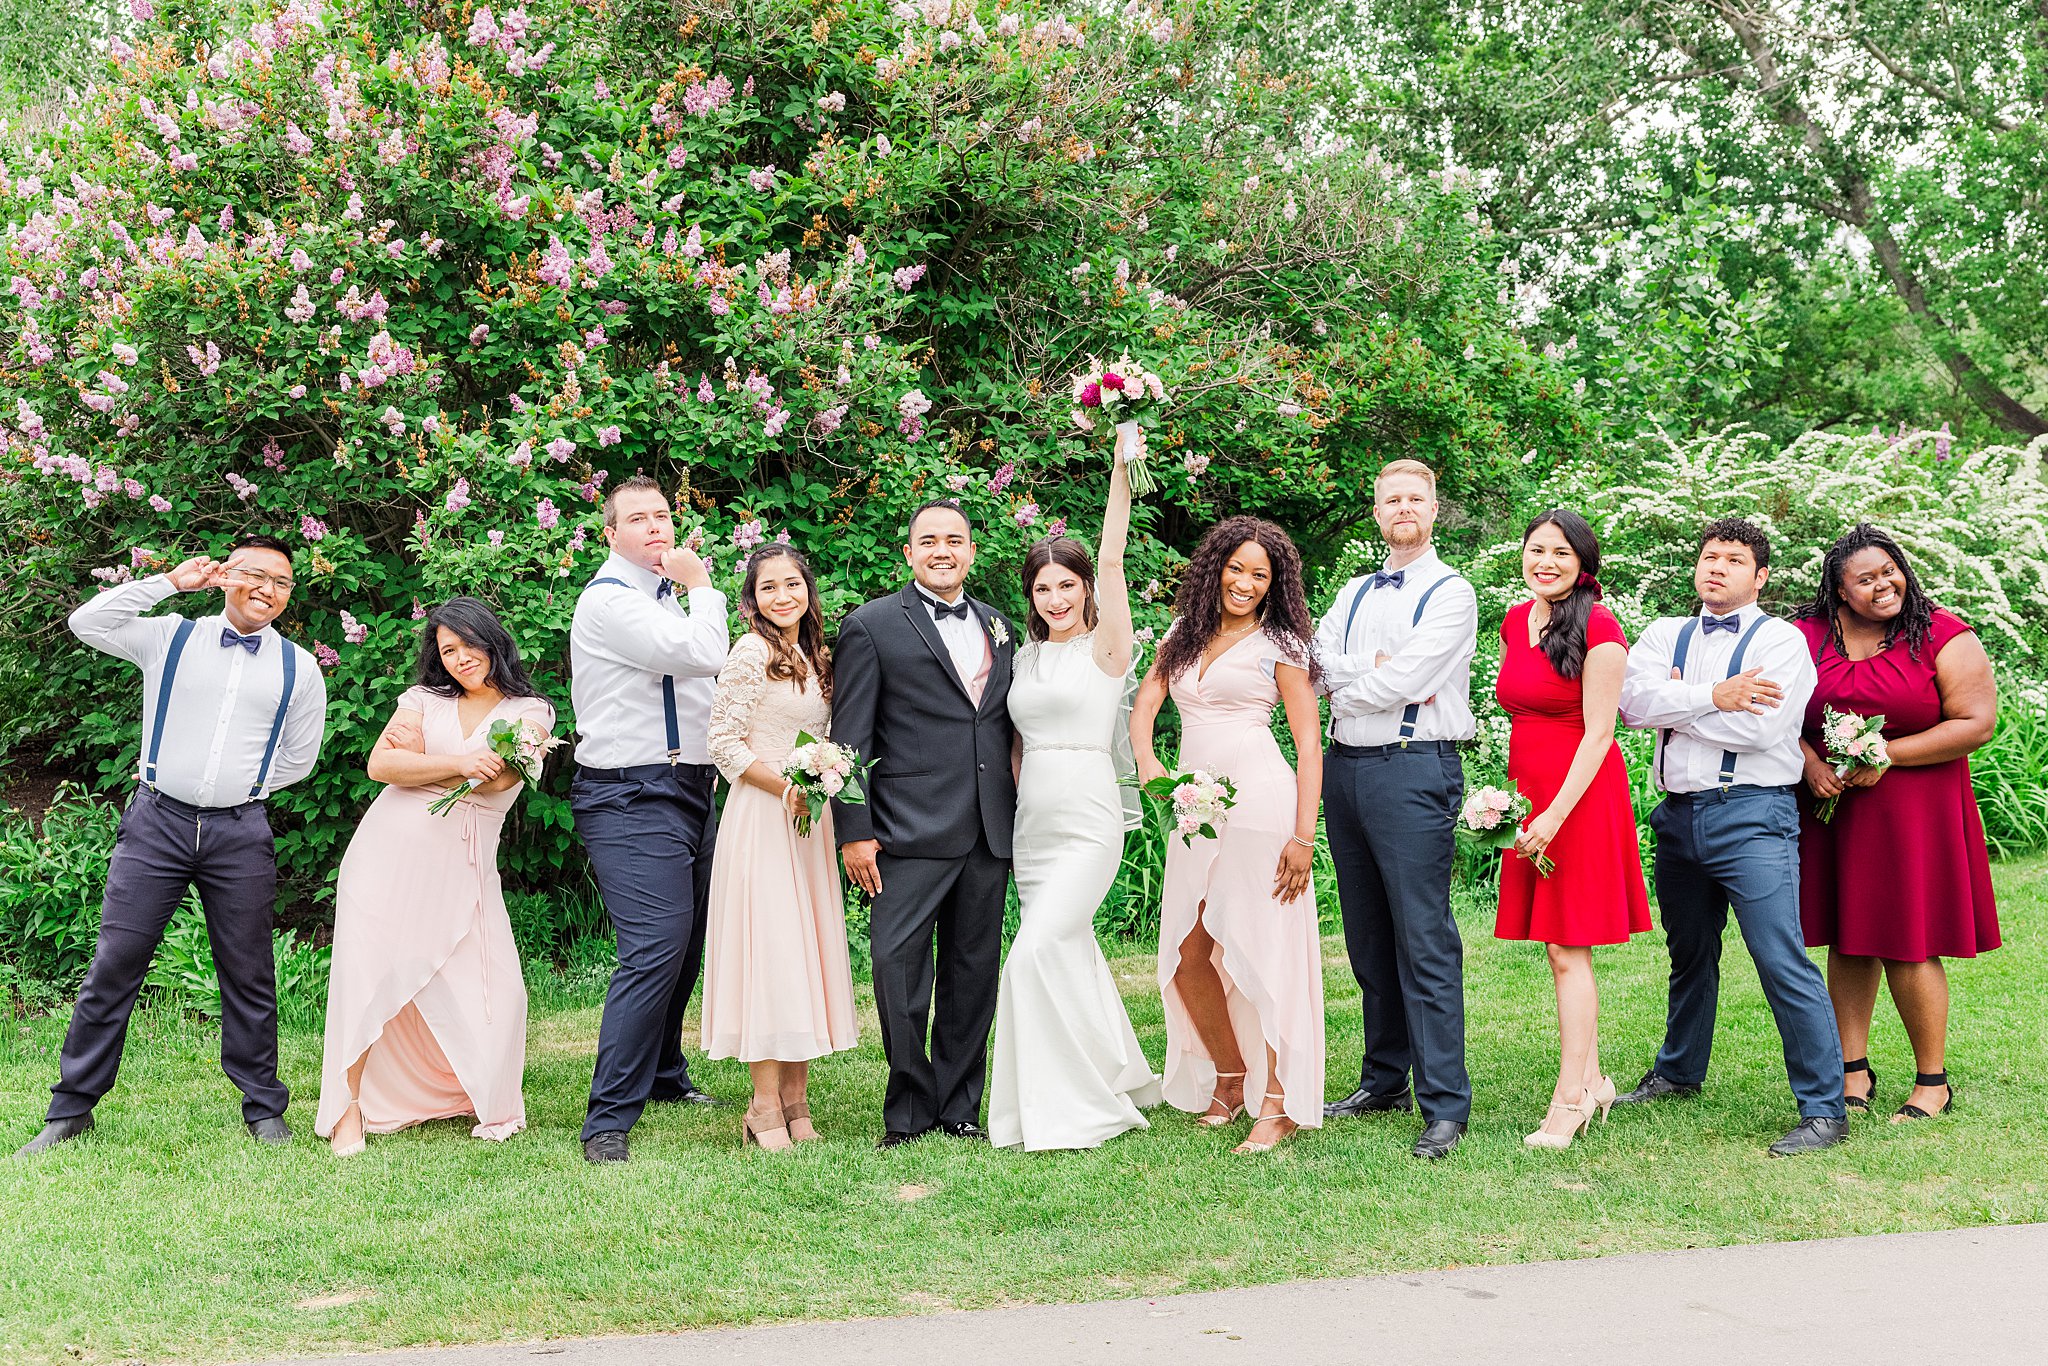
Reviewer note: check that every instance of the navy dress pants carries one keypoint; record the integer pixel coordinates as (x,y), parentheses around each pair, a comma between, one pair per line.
(650,833)
(163,849)
(1392,817)
(1739,847)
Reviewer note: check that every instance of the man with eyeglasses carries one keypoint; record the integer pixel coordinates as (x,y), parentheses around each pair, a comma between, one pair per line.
(232,711)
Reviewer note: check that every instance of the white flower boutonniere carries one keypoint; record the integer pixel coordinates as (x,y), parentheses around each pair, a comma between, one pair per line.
(999,629)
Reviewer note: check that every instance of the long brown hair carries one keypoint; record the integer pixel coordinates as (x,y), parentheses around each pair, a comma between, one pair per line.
(1067,553)
(808,655)
(1198,607)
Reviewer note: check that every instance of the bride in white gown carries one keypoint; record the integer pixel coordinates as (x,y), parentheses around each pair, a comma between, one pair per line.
(1069,1072)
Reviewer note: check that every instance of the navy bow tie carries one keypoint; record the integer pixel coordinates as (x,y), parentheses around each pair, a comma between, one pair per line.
(1393,580)
(228,636)
(667,590)
(940,610)
(1729,623)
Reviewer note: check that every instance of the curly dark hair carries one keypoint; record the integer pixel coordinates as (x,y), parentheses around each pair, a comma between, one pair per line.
(1740,531)
(1915,619)
(1198,607)
(809,655)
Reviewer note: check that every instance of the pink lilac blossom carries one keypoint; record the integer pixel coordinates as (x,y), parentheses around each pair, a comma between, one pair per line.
(479,334)
(158,503)
(522,456)
(747,535)
(547,514)
(1024,516)
(1056,528)
(207,362)
(301,308)
(763,180)
(560,449)
(325,655)
(244,490)
(777,420)
(311,527)
(907,276)
(458,497)
(958,482)
(1000,480)
(354,212)
(353,631)
(496,538)
(609,436)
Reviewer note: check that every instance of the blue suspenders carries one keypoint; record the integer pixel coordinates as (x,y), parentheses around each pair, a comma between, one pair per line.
(668,689)
(1678,653)
(1413,709)
(163,708)
(163,699)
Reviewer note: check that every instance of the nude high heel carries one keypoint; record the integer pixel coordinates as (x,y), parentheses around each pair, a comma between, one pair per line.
(773,1138)
(1219,1121)
(361,1141)
(1600,1094)
(799,1112)
(1249,1147)
(1543,1138)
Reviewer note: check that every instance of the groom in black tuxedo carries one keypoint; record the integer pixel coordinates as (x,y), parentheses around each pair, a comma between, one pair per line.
(921,685)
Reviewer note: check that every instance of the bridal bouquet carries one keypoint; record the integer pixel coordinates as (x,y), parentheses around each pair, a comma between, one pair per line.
(822,770)
(1133,399)
(1492,817)
(521,744)
(1853,742)
(1200,801)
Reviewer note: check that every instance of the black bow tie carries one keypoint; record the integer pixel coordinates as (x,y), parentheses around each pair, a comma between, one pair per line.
(1728,623)
(1393,580)
(229,636)
(940,610)
(667,590)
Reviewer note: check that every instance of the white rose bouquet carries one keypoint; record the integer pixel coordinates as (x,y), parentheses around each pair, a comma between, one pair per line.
(1852,742)
(1200,799)
(521,744)
(822,771)
(1132,399)
(1492,818)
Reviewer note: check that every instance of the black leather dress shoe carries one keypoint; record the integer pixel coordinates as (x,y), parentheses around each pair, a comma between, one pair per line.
(55,1132)
(273,1130)
(689,1095)
(1364,1102)
(1439,1136)
(896,1138)
(1810,1136)
(608,1146)
(966,1129)
(1656,1087)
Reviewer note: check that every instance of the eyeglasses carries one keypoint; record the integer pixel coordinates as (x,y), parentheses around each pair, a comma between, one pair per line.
(256,578)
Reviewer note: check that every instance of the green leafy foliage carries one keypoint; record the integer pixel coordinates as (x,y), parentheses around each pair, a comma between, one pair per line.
(414,285)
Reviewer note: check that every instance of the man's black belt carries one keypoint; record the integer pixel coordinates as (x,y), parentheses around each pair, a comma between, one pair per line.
(638,773)
(1338,747)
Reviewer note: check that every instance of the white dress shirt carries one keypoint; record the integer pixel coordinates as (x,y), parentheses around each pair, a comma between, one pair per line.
(1693,733)
(964,638)
(621,645)
(223,700)
(1428,663)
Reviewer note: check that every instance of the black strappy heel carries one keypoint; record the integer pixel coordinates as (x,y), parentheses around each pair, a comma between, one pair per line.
(1928,1079)
(1860,1102)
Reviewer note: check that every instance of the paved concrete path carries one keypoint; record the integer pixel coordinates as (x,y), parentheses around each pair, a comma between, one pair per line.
(1981,1294)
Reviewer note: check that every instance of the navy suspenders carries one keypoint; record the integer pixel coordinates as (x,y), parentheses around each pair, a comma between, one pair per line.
(668,689)
(1413,709)
(1678,653)
(163,699)
(163,708)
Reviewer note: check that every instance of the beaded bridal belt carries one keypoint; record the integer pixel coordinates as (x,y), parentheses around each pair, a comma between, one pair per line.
(1086,749)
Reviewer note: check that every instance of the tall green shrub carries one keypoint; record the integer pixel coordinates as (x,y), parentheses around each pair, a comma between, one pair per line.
(413,284)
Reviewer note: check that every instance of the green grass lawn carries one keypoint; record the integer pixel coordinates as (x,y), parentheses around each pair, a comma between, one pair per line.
(168,1235)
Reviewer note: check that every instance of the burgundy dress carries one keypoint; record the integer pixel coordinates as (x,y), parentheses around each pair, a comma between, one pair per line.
(1902,871)
(1596,895)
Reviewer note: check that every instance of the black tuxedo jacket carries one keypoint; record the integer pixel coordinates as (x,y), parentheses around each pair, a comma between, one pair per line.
(942,764)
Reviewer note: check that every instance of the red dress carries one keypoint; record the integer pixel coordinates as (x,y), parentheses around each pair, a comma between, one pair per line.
(1902,871)
(1596,896)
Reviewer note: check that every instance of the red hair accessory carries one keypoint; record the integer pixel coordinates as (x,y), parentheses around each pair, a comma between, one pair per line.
(1588,581)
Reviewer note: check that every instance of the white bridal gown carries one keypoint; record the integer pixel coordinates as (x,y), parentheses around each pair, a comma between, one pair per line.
(1068,1069)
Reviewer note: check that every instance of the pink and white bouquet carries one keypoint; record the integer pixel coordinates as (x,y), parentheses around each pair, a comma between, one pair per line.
(521,744)
(1132,399)
(1492,819)
(823,771)
(1852,742)
(1200,800)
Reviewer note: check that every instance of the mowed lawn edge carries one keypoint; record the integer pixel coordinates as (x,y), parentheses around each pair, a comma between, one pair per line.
(168,1235)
